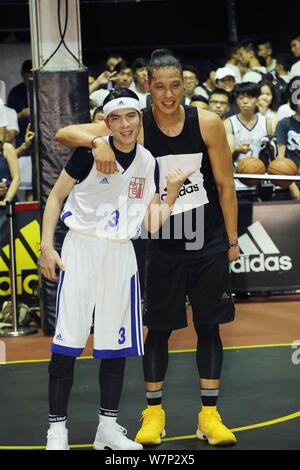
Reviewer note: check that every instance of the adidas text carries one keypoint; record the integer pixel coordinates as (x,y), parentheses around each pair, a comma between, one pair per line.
(261,263)
(183,191)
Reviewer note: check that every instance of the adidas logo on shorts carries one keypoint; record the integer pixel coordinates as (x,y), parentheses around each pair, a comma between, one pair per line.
(225,296)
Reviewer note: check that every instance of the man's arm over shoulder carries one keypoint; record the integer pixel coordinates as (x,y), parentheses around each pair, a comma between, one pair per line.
(81,135)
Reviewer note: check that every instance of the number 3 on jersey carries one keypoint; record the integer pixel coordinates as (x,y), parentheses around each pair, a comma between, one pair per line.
(122,338)
(113,222)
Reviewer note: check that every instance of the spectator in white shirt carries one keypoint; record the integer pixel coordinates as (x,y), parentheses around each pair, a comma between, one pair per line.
(249,58)
(265,50)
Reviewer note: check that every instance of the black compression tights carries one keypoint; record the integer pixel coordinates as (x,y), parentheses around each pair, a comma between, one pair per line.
(155,359)
(209,355)
(61,372)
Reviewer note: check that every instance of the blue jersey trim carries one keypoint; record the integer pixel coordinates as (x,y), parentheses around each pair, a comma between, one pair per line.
(66,351)
(65,215)
(132,301)
(140,328)
(62,276)
(111,353)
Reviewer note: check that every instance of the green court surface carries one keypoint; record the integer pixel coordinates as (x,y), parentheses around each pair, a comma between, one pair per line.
(259,401)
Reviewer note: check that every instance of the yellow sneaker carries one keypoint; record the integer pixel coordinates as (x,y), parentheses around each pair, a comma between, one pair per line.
(210,427)
(153,427)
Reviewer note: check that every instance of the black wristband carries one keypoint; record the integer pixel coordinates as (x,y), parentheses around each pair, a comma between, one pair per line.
(96,137)
(233,244)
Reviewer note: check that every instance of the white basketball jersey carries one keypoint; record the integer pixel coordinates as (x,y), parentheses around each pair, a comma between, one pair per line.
(242,134)
(113,206)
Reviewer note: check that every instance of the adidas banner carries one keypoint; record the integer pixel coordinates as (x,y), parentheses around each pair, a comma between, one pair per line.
(269,249)
(27,250)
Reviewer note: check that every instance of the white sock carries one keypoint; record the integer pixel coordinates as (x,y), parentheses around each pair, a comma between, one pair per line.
(107,420)
(58,425)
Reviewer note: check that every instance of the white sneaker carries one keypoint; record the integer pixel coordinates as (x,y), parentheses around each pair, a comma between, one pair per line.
(113,436)
(57,439)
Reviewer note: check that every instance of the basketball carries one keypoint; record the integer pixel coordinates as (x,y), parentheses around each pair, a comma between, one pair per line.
(298,171)
(282,166)
(252,166)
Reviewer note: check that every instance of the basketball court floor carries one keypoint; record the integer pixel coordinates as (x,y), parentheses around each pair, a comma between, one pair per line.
(259,399)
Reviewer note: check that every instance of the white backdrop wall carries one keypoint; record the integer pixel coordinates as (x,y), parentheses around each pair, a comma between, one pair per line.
(11,58)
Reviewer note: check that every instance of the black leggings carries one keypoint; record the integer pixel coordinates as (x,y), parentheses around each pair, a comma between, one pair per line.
(61,372)
(209,355)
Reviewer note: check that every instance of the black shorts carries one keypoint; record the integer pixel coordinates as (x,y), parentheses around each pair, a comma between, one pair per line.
(170,278)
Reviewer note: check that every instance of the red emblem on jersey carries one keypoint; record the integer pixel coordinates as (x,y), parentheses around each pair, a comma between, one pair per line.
(136,187)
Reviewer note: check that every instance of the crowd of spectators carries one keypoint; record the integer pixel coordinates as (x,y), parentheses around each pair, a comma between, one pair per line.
(251,72)
(254,92)
(16,139)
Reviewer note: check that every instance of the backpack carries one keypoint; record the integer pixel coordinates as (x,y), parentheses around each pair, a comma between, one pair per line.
(24,316)
(264,75)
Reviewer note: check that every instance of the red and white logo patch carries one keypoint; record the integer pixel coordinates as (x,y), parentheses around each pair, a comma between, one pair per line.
(136,187)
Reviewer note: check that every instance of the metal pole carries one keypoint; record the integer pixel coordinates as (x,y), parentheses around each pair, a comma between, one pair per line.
(12,260)
(14,330)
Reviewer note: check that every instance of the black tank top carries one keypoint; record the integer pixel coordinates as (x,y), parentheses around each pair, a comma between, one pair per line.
(206,219)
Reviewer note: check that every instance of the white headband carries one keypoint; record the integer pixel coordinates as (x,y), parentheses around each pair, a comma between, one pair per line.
(120,103)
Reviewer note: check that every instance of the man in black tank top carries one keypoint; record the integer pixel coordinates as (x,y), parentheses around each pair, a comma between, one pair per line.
(190,254)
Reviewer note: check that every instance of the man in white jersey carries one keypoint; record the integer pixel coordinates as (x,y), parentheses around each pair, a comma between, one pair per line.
(246,129)
(98,269)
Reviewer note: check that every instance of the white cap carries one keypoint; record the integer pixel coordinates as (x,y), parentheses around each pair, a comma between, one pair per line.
(224,72)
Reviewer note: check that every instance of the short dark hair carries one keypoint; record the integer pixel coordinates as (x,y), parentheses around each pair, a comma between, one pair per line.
(190,68)
(140,62)
(294,37)
(247,88)
(286,60)
(99,109)
(266,43)
(26,66)
(120,93)
(199,98)
(220,91)
(249,46)
(123,64)
(162,58)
